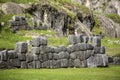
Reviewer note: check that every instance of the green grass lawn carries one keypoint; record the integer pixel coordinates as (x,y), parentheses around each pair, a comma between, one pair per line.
(110,73)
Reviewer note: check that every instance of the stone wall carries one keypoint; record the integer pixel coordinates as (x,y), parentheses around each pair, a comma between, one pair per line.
(18,23)
(77,54)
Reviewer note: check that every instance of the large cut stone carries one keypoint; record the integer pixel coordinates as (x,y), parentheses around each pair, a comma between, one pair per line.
(102,50)
(82,55)
(45,49)
(71,63)
(77,63)
(3,55)
(55,56)
(64,63)
(21,47)
(31,65)
(73,55)
(16,62)
(50,56)
(71,48)
(12,54)
(101,60)
(90,47)
(36,42)
(29,58)
(83,46)
(3,65)
(63,55)
(35,57)
(91,62)
(21,57)
(72,39)
(35,50)
(96,41)
(24,65)
(38,64)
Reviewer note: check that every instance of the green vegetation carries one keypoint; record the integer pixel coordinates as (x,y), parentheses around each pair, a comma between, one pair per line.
(18,1)
(110,73)
(96,29)
(114,17)
(112,48)
(52,41)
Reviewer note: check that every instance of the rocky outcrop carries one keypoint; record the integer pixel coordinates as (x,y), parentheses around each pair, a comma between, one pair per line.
(11,8)
(110,28)
(113,7)
(80,54)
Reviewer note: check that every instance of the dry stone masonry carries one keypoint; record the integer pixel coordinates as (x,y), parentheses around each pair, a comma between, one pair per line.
(18,23)
(78,54)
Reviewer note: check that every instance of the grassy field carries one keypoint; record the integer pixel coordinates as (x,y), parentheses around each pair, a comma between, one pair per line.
(111,73)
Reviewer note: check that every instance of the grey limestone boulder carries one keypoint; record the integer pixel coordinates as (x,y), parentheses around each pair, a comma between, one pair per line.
(38,64)
(31,65)
(77,63)
(3,65)
(83,46)
(72,39)
(91,62)
(21,47)
(71,48)
(63,55)
(24,64)
(64,63)
(102,50)
(90,47)
(50,56)
(16,62)
(3,55)
(29,58)
(55,56)
(36,41)
(70,63)
(12,54)
(73,55)
(35,50)
(101,60)
(96,41)
(83,55)
(21,57)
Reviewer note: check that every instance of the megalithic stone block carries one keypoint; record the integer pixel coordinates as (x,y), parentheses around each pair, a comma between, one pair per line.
(101,60)
(3,55)
(64,63)
(96,41)
(102,50)
(21,47)
(35,50)
(77,63)
(91,62)
(36,42)
(16,62)
(21,57)
(12,54)
(72,39)
(24,65)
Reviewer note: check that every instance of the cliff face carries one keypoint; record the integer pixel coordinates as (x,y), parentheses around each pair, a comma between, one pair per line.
(60,18)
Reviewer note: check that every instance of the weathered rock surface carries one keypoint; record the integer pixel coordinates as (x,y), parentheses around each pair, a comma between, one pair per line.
(110,28)
(11,8)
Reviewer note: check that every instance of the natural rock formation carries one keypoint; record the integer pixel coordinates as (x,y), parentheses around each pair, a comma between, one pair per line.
(11,8)
(110,28)
(113,7)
